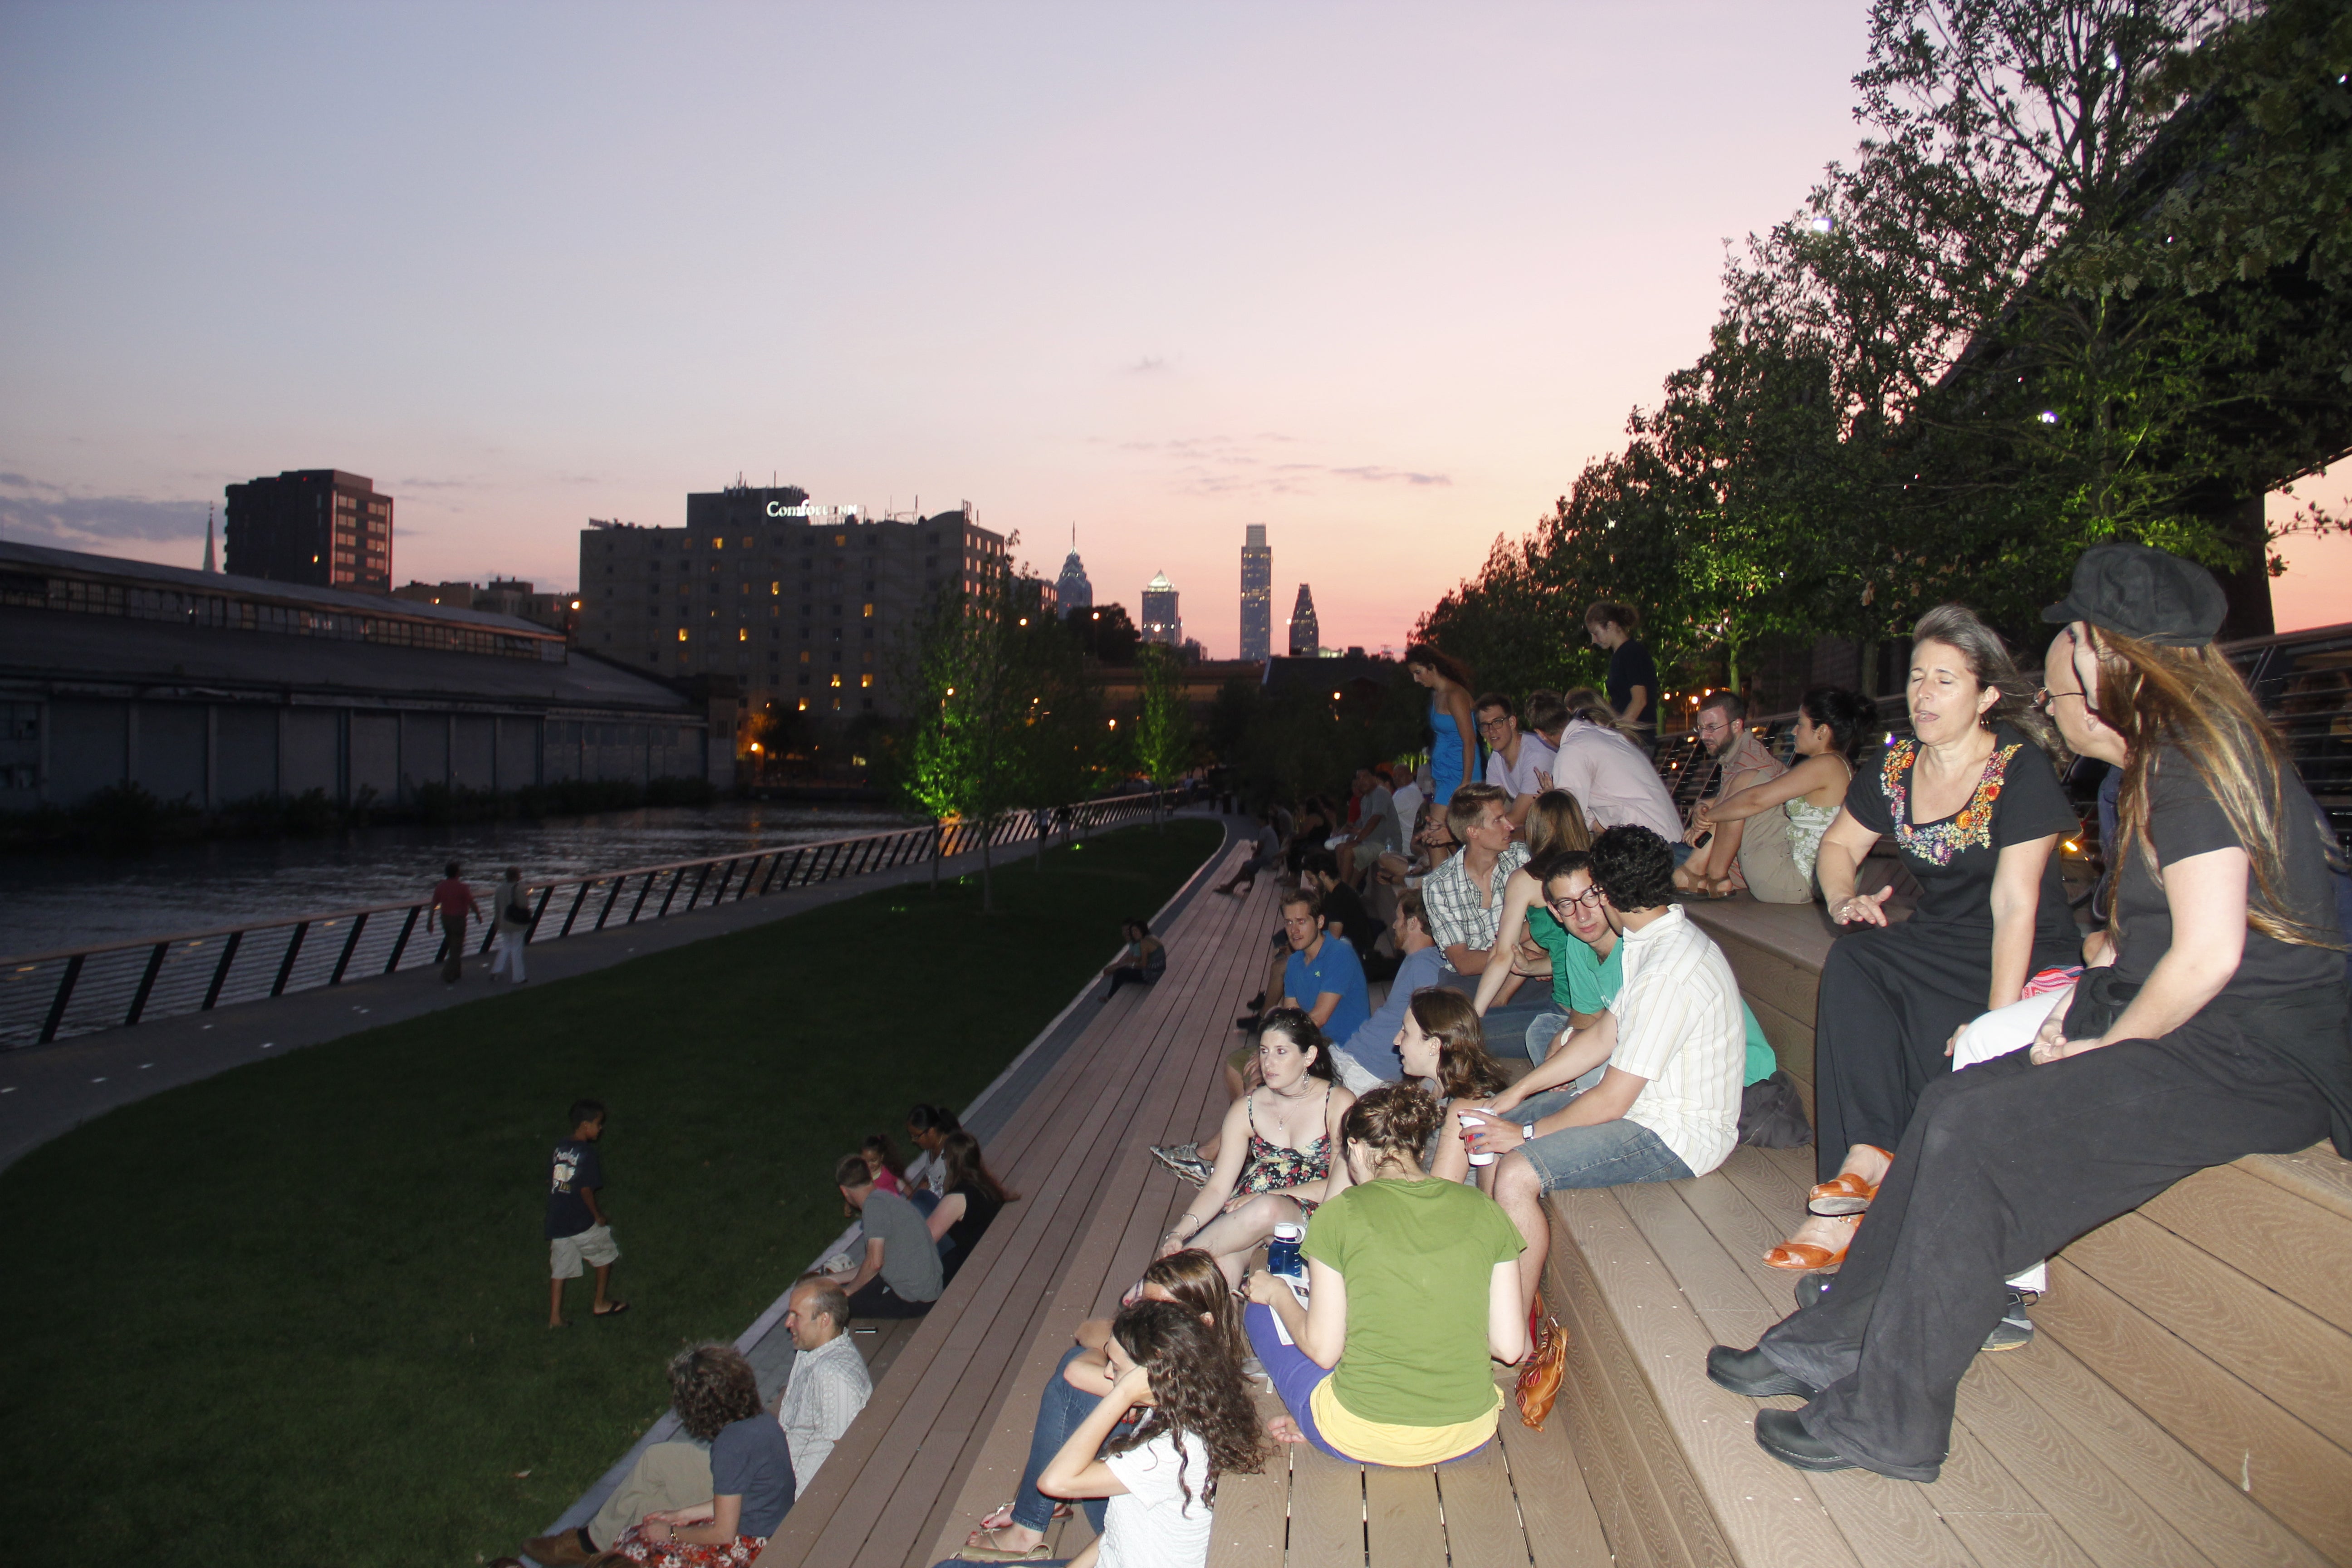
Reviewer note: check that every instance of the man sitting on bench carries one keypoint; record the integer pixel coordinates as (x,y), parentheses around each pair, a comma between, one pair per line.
(901,1276)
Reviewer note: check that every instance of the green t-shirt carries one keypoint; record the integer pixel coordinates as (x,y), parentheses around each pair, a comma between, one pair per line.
(1584,982)
(1418,1257)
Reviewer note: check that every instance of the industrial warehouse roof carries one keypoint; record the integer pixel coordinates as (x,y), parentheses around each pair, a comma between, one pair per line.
(159,660)
(343,600)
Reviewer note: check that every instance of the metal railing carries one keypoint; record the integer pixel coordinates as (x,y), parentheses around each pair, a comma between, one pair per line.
(55,995)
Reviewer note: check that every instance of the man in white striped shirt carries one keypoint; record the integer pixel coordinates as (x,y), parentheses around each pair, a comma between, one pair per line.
(1650,1093)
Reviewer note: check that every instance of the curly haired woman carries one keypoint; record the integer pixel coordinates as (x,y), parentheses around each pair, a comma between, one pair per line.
(718,1402)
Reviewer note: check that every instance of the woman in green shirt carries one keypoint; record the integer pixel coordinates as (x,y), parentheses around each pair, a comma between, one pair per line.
(1413,1288)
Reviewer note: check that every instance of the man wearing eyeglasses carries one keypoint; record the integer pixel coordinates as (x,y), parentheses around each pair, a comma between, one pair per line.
(1741,760)
(1516,763)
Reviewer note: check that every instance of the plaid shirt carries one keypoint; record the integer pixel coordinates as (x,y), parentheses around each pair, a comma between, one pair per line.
(1456,913)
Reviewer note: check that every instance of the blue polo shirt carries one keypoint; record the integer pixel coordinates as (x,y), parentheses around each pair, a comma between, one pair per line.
(1335,968)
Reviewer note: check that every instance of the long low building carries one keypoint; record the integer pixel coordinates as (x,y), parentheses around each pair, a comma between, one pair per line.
(206,688)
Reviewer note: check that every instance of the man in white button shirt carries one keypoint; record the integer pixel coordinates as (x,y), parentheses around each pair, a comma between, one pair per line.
(829,1382)
(1651,1093)
(1516,763)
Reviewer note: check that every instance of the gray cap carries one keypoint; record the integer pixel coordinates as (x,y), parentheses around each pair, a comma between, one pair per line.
(2140,591)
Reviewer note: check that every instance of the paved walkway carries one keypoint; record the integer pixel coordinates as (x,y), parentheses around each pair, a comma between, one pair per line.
(48,1090)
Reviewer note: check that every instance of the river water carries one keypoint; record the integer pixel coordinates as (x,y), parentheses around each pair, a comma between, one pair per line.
(53,901)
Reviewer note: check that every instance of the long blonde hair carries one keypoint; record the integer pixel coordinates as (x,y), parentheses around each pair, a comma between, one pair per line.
(2193,701)
(1556,822)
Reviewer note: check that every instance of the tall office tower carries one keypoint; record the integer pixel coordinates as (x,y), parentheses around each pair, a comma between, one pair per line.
(319,526)
(798,602)
(1257,594)
(1160,622)
(1304,636)
(1071,588)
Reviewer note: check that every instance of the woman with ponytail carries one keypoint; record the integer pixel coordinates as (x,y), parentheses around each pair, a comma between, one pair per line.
(1778,849)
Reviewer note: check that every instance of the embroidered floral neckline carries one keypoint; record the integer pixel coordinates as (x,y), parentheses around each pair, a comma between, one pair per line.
(1968,828)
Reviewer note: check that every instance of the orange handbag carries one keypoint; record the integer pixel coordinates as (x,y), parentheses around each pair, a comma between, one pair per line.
(1545,1364)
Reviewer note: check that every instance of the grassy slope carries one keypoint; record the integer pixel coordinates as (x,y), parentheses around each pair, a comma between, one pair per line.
(297,1313)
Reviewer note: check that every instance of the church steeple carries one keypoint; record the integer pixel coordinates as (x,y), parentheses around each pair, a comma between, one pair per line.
(208,541)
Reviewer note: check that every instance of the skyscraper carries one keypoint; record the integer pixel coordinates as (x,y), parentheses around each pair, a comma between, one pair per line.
(1257,594)
(1160,622)
(1304,636)
(1071,587)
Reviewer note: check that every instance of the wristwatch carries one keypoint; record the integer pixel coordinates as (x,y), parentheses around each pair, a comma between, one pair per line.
(1527,1130)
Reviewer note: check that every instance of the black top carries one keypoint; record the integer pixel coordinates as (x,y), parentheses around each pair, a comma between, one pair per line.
(2017,800)
(2185,820)
(574,1167)
(1629,667)
(1356,923)
(978,1213)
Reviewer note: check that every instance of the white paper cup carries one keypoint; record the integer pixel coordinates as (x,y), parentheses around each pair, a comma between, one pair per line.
(1470,1119)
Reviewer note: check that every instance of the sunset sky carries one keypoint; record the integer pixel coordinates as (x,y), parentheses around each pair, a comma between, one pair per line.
(1380,277)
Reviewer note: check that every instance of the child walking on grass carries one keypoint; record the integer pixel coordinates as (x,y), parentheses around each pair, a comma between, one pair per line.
(576,1228)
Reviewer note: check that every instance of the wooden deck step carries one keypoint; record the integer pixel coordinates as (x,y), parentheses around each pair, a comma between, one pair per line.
(2184,1400)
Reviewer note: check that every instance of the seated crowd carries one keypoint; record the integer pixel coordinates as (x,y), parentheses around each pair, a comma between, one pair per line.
(1368,1233)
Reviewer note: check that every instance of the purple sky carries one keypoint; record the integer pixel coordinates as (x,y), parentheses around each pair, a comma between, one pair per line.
(1379,277)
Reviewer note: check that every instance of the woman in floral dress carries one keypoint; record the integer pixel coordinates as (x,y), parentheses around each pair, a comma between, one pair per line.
(1973,806)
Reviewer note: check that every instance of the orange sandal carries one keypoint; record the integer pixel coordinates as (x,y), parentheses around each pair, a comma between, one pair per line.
(1845,1194)
(1807,1258)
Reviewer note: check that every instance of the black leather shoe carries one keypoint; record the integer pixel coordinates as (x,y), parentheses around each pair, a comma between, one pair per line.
(1752,1374)
(1247,1024)
(1813,1289)
(1783,1434)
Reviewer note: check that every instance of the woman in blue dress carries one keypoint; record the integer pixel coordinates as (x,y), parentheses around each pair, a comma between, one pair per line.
(1454,754)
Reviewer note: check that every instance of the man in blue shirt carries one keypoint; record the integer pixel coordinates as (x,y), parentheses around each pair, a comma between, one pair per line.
(1367,1057)
(1323,975)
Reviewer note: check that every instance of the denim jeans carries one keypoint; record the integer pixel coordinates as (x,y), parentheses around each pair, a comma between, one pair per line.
(1607,1155)
(1061,1410)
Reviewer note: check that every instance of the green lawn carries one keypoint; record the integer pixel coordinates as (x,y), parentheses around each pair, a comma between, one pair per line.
(297,1313)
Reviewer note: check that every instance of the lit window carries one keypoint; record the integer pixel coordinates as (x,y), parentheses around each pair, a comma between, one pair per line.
(836,682)
(803,707)
(775,588)
(869,611)
(841,539)
(804,656)
(718,544)
(742,635)
(681,634)
(746,544)
(865,680)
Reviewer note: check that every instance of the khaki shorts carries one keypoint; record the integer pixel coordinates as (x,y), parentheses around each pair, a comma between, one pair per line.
(594,1245)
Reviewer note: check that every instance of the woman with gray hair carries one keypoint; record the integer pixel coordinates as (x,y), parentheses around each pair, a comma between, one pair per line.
(1973,806)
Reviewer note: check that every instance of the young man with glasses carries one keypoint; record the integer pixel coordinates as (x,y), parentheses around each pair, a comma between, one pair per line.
(1741,760)
(1516,763)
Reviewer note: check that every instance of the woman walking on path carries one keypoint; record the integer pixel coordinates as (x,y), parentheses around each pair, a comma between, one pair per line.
(1779,848)
(2219,1031)
(1454,754)
(1274,1153)
(1973,805)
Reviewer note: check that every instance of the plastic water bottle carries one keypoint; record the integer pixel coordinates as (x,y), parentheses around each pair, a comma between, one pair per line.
(1282,1252)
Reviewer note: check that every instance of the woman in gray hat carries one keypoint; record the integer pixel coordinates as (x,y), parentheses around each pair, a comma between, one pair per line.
(2220,1030)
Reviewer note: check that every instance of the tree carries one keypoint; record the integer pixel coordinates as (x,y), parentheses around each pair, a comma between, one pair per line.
(1106,634)
(965,759)
(1163,723)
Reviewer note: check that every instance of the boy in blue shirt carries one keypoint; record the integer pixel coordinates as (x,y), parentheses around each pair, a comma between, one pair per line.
(1322,974)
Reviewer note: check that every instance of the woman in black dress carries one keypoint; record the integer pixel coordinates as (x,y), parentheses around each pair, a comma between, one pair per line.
(1973,805)
(970,1205)
(2219,1031)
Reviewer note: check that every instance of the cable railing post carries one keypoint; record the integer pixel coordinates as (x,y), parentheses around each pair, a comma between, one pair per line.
(146,982)
(643,894)
(392,964)
(229,956)
(531,930)
(293,950)
(769,886)
(350,945)
(65,994)
(724,877)
(676,882)
(611,898)
(750,876)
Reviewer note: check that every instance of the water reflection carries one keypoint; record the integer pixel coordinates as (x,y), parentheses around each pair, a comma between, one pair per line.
(54,901)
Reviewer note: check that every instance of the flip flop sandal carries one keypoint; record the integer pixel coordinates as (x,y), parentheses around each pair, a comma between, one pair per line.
(612,1311)
(1001,1516)
(972,1554)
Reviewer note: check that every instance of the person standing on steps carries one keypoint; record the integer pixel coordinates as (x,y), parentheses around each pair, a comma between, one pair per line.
(453,904)
(1454,754)
(1632,681)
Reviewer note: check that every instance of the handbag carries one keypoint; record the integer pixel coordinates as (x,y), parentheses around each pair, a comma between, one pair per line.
(515,912)
(1547,1364)
(2100,997)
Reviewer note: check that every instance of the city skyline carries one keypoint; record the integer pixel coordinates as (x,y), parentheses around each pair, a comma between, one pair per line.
(601,271)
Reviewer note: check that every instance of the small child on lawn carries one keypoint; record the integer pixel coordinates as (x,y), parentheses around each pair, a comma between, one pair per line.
(576,1228)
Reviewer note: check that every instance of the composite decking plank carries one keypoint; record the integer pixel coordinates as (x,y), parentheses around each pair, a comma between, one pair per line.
(1485,1524)
(2293,1357)
(2316,1174)
(1400,1522)
(2228,1527)
(1993,1516)
(1555,1510)
(1251,1526)
(2298,1474)
(2277,1238)
(1327,1510)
